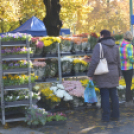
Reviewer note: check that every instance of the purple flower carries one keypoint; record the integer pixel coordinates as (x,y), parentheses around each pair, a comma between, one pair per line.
(7,50)
(2,36)
(11,64)
(3,51)
(23,49)
(16,64)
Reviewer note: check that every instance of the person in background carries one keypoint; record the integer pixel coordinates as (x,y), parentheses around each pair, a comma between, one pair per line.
(127,60)
(107,83)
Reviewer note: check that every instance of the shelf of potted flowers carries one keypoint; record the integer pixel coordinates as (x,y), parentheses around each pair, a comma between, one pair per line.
(13,100)
(15,81)
(75,46)
(15,52)
(15,66)
(14,39)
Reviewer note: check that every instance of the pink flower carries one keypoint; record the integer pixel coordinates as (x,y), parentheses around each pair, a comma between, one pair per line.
(74,88)
(40,44)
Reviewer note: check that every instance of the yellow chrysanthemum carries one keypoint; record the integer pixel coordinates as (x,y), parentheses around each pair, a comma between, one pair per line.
(4,77)
(50,40)
(80,61)
(97,89)
(37,77)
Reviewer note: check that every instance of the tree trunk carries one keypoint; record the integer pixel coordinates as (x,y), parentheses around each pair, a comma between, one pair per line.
(52,20)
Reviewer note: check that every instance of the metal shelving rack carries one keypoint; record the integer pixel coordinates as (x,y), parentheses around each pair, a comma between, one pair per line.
(60,54)
(3,89)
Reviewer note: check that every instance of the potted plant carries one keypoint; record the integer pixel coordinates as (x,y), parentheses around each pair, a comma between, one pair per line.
(66,65)
(56,119)
(93,39)
(35,116)
(37,46)
(51,68)
(39,68)
(50,44)
(66,44)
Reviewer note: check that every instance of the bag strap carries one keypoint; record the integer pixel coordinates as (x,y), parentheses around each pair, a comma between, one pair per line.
(101,51)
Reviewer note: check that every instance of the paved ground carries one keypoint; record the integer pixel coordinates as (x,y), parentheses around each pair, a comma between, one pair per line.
(87,121)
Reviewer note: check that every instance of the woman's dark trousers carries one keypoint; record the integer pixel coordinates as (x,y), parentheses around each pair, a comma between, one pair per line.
(128,74)
(107,113)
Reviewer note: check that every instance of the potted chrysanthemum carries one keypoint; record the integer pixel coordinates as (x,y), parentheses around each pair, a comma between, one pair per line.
(50,44)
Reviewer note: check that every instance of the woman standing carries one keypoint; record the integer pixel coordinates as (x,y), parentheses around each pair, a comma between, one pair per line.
(127,60)
(107,83)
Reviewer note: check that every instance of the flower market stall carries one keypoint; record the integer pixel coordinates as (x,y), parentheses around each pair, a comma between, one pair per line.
(51,70)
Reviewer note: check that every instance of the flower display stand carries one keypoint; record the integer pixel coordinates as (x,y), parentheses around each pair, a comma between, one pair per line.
(56,53)
(4,89)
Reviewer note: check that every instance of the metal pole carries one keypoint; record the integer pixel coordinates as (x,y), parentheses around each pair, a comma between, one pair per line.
(29,72)
(131,13)
(2,89)
(59,64)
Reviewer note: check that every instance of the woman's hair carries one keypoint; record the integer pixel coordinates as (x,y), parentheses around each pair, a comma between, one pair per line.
(128,36)
(105,33)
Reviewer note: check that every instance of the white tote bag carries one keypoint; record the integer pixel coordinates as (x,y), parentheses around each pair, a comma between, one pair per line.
(102,67)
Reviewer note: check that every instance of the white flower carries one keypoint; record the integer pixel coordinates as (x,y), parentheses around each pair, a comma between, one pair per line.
(53,88)
(17,97)
(26,97)
(10,97)
(67,59)
(39,98)
(68,98)
(120,87)
(32,93)
(36,87)
(60,93)
(60,86)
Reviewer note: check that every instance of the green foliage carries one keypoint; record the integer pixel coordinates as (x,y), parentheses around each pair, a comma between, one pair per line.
(56,117)
(118,36)
(36,116)
(93,41)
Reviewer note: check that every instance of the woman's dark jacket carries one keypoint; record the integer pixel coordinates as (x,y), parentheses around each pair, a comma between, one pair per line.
(111,53)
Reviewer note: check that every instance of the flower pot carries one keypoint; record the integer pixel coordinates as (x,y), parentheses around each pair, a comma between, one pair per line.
(85,46)
(51,68)
(37,52)
(78,47)
(55,123)
(84,68)
(17,43)
(66,67)
(77,67)
(66,46)
(41,72)
(52,49)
